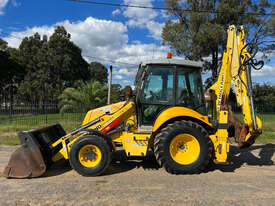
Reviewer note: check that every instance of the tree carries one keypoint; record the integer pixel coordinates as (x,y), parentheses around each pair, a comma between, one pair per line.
(115,93)
(84,97)
(33,53)
(98,72)
(124,92)
(264,97)
(68,64)
(11,72)
(50,66)
(198,35)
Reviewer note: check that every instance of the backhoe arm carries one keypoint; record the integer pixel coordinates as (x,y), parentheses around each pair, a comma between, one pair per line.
(244,95)
(233,68)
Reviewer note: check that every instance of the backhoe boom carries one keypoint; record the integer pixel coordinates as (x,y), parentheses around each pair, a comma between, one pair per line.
(234,68)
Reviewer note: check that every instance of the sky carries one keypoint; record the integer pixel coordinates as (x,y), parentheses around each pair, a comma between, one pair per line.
(122,37)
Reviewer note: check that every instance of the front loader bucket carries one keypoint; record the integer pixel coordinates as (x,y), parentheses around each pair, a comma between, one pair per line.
(26,161)
(34,156)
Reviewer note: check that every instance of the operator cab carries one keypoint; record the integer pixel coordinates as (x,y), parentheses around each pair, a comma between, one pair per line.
(165,83)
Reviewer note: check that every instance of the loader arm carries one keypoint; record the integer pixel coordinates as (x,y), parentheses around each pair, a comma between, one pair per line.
(234,67)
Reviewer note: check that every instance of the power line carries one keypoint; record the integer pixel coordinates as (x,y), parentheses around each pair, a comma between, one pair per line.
(118,5)
(166,9)
(110,60)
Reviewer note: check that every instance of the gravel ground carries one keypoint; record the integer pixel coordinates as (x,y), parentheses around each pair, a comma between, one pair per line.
(250,180)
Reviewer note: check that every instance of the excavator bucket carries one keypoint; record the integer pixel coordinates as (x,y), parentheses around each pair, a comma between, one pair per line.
(241,130)
(34,156)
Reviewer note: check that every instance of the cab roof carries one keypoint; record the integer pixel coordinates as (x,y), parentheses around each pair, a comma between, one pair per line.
(181,62)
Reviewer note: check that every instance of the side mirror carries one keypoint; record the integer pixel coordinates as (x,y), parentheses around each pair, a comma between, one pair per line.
(129,93)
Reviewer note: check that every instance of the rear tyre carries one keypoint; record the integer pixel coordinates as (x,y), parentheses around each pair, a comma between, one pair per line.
(90,155)
(183,147)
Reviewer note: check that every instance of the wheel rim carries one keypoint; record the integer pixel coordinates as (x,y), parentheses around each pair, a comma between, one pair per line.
(89,155)
(184,149)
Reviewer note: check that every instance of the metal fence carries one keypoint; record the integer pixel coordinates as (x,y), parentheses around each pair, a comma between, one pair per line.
(30,115)
(33,115)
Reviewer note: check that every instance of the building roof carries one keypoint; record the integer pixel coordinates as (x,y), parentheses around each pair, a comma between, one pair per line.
(173,62)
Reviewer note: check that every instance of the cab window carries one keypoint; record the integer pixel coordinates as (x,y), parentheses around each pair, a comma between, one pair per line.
(158,88)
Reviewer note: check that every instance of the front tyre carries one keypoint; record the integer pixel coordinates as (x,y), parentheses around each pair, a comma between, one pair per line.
(90,155)
(183,147)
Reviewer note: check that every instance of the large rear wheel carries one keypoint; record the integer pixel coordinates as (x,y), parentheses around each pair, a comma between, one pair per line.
(183,147)
(90,155)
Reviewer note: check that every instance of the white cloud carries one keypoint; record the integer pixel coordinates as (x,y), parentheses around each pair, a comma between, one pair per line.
(3,3)
(15,3)
(155,29)
(127,73)
(126,82)
(106,41)
(15,38)
(143,18)
(116,12)
(164,14)
(267,71)
(138,16)
(118,77)
(97,37)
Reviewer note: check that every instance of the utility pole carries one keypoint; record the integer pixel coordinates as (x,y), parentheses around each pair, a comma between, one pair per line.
(110,85)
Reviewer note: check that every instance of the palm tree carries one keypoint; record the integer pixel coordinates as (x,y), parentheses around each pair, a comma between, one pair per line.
(84,97)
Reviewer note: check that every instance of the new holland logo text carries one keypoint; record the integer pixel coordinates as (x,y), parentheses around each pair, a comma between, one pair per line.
(220,93)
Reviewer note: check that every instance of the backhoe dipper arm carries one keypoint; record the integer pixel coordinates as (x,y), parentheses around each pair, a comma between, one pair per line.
(244,95)
(233,67)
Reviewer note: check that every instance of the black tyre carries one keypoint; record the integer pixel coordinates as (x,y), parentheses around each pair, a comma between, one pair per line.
(183,147)
(90,155)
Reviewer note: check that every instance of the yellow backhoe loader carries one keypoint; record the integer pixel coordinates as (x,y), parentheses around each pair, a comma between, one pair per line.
(168,114)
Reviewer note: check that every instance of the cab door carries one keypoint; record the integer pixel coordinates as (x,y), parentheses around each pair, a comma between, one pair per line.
(157,93)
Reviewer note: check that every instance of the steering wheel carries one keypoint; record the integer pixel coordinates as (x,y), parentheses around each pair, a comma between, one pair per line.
(155,96)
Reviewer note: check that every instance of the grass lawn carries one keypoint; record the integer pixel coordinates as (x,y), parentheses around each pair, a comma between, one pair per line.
(268,135)
(9,129)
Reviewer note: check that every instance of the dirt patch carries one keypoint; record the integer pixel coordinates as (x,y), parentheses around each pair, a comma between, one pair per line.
(7,134)
(250,180)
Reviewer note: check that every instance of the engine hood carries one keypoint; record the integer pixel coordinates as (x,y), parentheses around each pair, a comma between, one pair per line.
(95,113)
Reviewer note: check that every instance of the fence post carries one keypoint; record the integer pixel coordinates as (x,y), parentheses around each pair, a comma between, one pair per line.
(46,111)
(10,113)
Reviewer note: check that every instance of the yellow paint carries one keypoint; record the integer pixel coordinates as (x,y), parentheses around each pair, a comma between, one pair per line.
(232,59)
(62,153)
(135,144)
(174,112)
(184,149)
(123,112)
(95,113)
(242,97)
(58,156)
(221,146)
(82,156)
